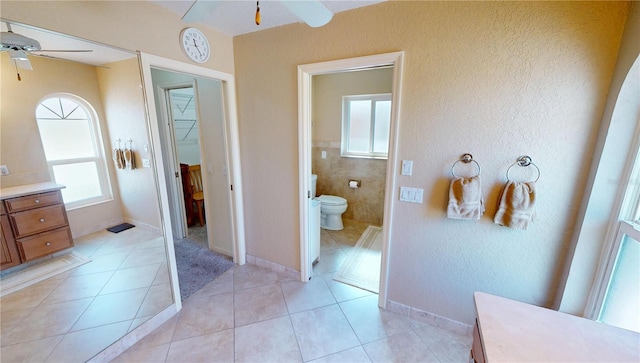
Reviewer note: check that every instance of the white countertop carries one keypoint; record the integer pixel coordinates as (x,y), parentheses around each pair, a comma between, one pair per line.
(20,190)
(513,331)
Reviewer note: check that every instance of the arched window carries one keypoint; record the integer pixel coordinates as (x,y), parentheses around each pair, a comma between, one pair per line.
(70,134)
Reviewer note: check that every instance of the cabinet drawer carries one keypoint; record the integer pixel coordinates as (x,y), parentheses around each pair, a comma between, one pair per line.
(45,243)
(477,352)
(38,220)
(33,201)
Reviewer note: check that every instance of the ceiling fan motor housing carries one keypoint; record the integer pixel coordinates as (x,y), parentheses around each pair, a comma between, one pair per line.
(11,40)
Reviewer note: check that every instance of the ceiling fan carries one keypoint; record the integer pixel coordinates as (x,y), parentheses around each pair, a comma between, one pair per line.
(20,47)
(312,12)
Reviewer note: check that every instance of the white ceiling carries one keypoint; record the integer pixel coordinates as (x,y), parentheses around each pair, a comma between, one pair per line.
(236,17)
(50,40)
(231,17)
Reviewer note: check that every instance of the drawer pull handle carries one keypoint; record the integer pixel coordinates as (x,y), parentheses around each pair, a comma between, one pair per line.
(41,220)
(48,244)
(37,201)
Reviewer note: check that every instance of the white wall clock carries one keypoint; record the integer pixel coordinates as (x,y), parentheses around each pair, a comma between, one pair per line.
(195,45)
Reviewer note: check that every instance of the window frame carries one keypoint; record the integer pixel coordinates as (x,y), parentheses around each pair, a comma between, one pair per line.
(344,148)
(99,155)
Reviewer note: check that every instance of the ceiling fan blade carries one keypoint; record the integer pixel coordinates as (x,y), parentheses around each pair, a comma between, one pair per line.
(62,51)
(199,10)
(311,12)
(23,64)
(62,59)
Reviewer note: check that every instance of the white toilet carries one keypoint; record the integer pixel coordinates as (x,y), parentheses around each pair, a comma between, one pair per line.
(331,208)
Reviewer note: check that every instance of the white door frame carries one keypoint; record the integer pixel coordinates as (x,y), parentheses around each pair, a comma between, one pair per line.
(305,74)
(233,148)
(175,188)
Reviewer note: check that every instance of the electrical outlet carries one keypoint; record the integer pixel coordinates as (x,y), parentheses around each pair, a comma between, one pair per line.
(146,163)
(4,170)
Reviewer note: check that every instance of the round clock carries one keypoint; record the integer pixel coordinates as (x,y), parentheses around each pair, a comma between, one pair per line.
(195,45)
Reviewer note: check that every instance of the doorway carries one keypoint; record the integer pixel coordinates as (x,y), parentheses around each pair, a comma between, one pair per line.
(184,139)
(305,76)
(220,161)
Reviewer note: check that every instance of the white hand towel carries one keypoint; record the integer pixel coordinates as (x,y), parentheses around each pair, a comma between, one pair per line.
(465,199)
(130,159)
(517,205)
(118,158)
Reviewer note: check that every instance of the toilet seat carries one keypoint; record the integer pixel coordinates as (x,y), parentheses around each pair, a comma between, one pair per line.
(332,200)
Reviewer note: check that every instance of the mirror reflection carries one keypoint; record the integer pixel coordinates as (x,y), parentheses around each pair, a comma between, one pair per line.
(75,144)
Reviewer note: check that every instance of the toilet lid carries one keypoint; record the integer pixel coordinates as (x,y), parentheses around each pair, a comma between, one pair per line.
(331,200)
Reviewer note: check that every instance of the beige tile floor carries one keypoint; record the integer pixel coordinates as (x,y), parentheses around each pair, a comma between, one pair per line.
(250,314)
(74,315)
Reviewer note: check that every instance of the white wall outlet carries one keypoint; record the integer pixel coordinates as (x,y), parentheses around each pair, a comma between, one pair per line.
(4,170)
(407,167)
(146,163)
(324,154)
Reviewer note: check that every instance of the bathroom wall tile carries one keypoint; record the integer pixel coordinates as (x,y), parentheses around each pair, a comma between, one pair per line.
(365,203)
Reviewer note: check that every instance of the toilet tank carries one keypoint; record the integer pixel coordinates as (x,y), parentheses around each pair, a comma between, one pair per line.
(314,182)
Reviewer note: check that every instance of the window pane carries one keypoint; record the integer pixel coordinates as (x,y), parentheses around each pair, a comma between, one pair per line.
(66,139)
(381,131)
(81,181)
(620,307)
(359,126)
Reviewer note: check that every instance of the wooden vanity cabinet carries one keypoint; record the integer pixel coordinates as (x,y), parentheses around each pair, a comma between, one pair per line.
(39,224)
(9,256)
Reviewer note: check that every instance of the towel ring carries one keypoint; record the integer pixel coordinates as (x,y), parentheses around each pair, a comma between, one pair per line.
(466,158)
(524,161)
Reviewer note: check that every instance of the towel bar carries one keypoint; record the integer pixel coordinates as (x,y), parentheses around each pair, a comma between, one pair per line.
(466,158)
(524,161)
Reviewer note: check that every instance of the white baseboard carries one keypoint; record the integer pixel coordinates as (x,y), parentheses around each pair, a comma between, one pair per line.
(430,318)
(80,232)
(134,336)
(283,270)
(145,226)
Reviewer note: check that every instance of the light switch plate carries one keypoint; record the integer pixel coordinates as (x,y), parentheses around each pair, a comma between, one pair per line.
(4,170)
(412,195)
(407,167)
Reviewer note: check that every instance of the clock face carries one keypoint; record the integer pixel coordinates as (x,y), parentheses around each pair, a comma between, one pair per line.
(195,45)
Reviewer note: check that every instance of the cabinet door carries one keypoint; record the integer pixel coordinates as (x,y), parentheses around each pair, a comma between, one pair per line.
(8,251)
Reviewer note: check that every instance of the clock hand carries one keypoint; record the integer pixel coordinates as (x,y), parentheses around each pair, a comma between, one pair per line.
(196,45)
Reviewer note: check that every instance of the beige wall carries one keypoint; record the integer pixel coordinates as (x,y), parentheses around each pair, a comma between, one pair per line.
(124,106)
(496,79)
(619,125)
(132,25)
(21,149)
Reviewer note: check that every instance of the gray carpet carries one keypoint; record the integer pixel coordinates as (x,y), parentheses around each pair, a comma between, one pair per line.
(197,265)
